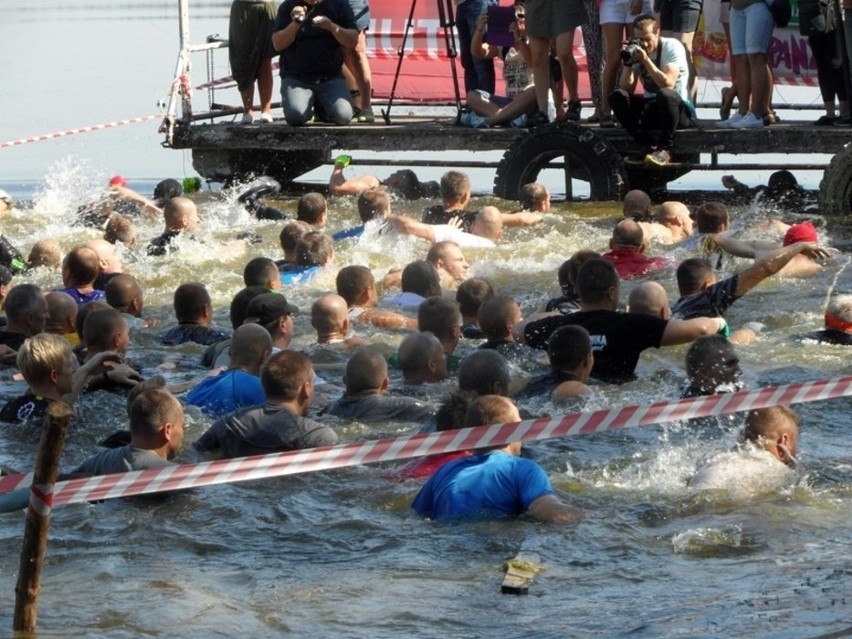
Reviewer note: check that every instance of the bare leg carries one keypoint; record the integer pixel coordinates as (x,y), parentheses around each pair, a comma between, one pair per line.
(743,83)
(521,104)
(248,99)
(760,82)
(479,105)
(540,50)
(613,34)
(363,74)
(264,85)
(565,55)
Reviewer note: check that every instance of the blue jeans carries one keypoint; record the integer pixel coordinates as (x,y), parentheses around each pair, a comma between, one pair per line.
(478,74)
(331,97)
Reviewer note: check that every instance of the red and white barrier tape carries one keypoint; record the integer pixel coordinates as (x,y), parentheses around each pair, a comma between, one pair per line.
(85,129)
(180,477)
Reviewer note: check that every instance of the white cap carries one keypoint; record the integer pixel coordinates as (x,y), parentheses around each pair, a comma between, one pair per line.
(5,196)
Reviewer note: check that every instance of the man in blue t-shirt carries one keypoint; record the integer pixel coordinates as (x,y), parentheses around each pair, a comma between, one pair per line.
(497,483)
(311,36)
(239,385)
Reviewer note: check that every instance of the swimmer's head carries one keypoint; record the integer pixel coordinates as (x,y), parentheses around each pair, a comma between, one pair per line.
(180,214)
(776,430)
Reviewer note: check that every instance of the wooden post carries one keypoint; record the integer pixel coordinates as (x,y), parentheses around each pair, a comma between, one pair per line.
(38,516)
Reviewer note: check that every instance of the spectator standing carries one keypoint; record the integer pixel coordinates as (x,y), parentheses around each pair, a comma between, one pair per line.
(250,53)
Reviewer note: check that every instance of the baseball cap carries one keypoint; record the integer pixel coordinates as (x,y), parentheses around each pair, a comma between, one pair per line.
(117,180)
(804,232)
(265,309)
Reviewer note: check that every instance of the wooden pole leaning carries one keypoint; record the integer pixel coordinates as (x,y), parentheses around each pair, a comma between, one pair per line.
(38,516)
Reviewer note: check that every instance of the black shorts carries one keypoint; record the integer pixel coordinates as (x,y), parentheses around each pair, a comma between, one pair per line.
(679,16)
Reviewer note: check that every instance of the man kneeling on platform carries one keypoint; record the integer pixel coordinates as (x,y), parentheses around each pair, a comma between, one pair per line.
(663,67)
(280,424)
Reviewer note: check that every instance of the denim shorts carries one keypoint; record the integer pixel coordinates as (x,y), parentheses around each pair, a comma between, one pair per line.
(680,16)
(361,9)
(618,11)
(751,29)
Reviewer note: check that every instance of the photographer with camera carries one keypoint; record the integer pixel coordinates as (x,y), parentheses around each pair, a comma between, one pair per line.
(661,64)
(311,36)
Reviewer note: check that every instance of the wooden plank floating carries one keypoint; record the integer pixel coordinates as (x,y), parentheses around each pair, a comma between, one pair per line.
(520,573)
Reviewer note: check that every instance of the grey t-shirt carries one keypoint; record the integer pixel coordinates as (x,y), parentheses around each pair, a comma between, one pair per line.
(121,460)
(260,430)
(379,408)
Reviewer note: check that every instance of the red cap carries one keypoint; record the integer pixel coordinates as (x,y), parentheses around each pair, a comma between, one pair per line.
(117,180)
(804,232)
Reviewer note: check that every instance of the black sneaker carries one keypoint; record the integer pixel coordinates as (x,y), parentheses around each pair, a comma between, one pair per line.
(536,120)
(574,108)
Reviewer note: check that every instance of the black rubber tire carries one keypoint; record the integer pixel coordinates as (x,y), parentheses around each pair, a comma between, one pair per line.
(835,188)
(591,157)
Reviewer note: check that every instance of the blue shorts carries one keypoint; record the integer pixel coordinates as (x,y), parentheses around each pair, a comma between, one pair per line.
(361,9)
(680,16)
(751,29)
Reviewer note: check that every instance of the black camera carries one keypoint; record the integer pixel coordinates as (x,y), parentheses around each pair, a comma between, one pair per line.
(628,53)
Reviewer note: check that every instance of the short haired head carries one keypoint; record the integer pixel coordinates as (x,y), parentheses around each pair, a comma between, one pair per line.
(124,293)
(637,204)
(455,188)
(312,209)
(472,293)
(627,234)
(180,213)
(711,362)
(643,21)
(649,298)
(250,345)
(596,280)
(314,249)
(781,182)
(42,354)
(166,190)
(80,267)
(421,358)
(491,409)
(674,213)
(440,316)
(712,217)
(157,420)
(568,346)
(61,311)
(25,304)
(485,372)
(191,301)
(366,370)
(373,204)
(406,184)
(488,223)
(261,271)
(284,374)
(775,429)
(108,260)
(329,314)
(120,228)
(421,277)
(290,235)
(692,274)
(497,316)
(838,313)
(240,303)
(46,252)
(448,256)
(567,274)
(534,197)
(105,330)
(83,312)
(352,281)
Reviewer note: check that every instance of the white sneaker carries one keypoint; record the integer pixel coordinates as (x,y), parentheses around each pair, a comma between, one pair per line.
(472,120)
(750,121)
(248,118)
(727,124)
(265,117)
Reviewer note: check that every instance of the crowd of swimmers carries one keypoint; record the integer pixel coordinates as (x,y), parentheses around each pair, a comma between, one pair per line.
(265,397)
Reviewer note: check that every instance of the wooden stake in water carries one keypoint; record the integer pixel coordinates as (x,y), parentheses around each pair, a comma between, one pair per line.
(38,516)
